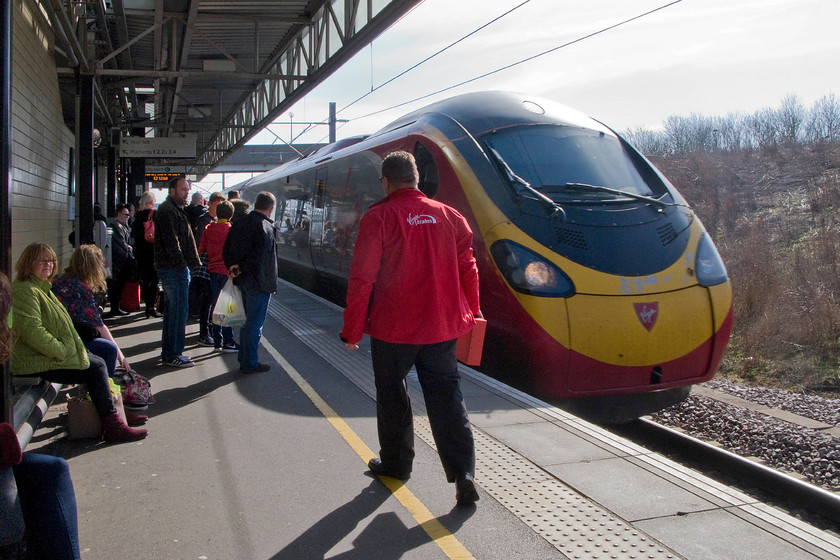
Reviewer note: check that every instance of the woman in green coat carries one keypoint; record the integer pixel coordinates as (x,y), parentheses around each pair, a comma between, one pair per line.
(45,343)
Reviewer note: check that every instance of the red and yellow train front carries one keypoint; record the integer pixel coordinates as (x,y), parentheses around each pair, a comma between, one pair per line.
(613,334)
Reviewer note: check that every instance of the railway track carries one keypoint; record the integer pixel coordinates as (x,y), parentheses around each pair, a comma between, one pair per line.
(821,507)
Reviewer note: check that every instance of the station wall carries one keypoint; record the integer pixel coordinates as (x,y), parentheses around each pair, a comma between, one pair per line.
(41,142)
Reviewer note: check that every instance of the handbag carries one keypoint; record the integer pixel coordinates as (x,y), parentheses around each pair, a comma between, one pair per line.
(136,390)
(149,228)
(82,418)
(86,332)
(229,310)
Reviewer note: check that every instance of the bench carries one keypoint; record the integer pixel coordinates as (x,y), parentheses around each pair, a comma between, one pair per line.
(30,408)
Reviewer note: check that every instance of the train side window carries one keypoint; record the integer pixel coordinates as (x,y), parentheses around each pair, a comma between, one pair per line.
(429,179)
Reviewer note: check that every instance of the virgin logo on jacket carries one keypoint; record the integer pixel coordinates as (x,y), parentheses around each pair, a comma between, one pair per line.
(420,219)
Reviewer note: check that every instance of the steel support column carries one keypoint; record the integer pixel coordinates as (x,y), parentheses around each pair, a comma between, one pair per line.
(86,168)
(5,183)
(112,186)
(137,175)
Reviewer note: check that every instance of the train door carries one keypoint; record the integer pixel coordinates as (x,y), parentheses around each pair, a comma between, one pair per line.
(362,187)
(293,222)
(319,220)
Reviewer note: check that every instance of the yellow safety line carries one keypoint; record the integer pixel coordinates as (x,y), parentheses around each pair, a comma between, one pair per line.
(439,534)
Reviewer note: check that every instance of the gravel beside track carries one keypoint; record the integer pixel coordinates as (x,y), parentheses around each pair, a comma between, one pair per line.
(782,445)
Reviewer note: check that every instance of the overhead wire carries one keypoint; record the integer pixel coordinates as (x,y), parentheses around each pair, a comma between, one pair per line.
(508,66)
(428,58)
(497,70)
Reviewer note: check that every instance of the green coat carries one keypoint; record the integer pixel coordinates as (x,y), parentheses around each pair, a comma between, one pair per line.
(42,332)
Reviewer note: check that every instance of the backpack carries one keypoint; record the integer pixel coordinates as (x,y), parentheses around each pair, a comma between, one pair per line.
(149,228)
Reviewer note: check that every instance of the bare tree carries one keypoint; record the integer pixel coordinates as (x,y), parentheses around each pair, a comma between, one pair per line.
(791,117)
(765,128)
(824,120)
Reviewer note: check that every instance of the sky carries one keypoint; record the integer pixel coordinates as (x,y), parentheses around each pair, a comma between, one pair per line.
(709,57)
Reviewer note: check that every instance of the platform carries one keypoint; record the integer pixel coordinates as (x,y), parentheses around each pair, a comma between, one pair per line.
(272,466)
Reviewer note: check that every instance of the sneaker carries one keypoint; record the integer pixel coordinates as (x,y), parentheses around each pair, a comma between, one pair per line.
(206,341)
(230,347)
(178,361)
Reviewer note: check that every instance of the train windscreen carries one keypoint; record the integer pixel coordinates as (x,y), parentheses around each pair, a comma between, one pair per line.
(563,160)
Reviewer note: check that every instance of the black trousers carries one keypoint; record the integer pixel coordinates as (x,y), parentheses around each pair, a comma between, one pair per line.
(437,371)
(96,379)
(116,284)
(149,287)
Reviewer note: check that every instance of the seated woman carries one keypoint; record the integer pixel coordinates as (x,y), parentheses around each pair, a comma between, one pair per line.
(74,289)
(47,345)
(45,490)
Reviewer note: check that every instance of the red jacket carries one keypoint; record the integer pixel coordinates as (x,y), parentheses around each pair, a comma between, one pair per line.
(213,241)
(413,279)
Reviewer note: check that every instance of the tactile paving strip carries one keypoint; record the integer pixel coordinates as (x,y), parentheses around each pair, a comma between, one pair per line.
(575,526)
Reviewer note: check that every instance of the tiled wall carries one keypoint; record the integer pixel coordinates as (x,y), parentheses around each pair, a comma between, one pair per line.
(41,142)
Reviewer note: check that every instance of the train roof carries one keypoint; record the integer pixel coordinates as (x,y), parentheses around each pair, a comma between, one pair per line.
(482,111)
(477,112)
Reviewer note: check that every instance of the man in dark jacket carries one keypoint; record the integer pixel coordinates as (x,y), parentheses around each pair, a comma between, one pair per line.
(250,256)
(175,254)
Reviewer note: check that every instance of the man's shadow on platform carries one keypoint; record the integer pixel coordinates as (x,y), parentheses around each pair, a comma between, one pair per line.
(385,536)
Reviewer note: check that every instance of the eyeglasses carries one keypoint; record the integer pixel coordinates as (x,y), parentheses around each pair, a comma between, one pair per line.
(45,262)
(125,213)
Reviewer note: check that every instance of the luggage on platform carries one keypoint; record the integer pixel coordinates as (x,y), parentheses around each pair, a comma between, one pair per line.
(130,299)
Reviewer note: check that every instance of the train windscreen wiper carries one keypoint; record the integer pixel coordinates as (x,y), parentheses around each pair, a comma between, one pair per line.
(617,192)
(522,186)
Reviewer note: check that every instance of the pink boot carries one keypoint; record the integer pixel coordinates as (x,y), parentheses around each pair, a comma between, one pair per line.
(135,419)
(114,429)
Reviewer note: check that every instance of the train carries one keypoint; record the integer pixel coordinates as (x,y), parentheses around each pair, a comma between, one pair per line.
(603,292)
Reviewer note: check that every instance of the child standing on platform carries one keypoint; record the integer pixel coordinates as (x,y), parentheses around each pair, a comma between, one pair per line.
(212,242)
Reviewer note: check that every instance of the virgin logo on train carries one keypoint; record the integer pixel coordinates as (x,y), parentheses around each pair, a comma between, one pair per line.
(647,313)
(420,219)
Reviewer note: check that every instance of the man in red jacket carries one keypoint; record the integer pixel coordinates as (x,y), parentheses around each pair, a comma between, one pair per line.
(414,289)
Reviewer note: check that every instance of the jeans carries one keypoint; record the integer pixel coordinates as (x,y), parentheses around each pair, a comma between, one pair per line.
(256,306)
(105,349)
(221,335)
(176,286)
(48,504)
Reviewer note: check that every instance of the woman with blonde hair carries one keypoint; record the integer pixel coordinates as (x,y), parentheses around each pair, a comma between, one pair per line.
(75,289)
(45,344)
(144,252)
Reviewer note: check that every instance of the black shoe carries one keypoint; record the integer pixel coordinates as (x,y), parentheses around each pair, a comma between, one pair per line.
(259,369)
(465,492)
(377,467)
(153,313)
(119,313)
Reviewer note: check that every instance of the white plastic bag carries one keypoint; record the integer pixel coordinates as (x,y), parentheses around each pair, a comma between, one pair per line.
(229,311)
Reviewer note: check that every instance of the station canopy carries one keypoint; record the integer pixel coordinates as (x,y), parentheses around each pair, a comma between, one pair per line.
(216,70)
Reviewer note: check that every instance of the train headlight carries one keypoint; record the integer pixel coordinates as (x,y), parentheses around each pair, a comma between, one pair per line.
(529,273)
(709,266)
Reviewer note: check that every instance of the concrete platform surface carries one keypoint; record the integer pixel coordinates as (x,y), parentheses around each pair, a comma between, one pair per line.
(273,466)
